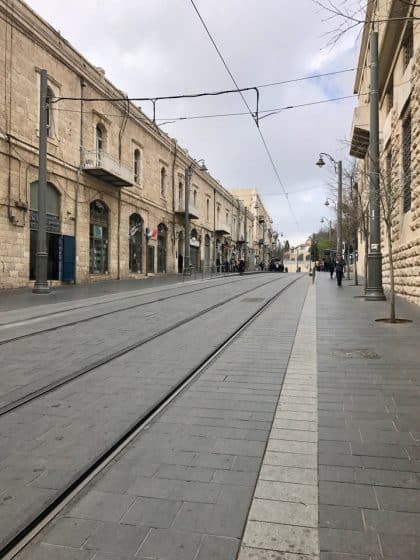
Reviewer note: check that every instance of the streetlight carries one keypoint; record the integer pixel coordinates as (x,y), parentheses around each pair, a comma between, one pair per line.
(188,176)
(338,167)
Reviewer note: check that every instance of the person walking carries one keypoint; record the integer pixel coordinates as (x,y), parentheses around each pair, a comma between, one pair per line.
(339,269)
(331,268)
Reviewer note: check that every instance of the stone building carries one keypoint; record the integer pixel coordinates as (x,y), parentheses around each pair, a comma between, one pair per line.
(399,123)
(259,240)
(116,182)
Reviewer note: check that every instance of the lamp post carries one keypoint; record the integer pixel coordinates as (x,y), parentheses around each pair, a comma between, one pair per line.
(374,291)
(188,176)
(338,167)
(41,260)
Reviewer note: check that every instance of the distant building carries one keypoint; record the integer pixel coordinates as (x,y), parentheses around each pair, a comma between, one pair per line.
(399,91)
(298,256)
(259,240)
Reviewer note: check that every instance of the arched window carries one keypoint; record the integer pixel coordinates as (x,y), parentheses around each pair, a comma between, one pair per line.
(207,250)
(195,250)
(163,182)
(99,237)
(50,120)
(136,165)
(161,248)
(135,237)
(100,142)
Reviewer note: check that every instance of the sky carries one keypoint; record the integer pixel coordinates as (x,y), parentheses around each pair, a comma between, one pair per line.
(152,48)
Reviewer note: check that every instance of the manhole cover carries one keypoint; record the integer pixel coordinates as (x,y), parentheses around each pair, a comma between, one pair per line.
(253,299)
(365,353)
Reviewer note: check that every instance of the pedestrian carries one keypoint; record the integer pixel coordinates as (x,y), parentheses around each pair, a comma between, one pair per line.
(331,268)
(241,266)
(339,269)
(262,266)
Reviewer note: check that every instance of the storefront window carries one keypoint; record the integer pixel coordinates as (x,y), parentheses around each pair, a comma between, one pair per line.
(135,243)
(99,238)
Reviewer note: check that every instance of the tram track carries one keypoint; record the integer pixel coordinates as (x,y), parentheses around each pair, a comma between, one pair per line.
(54,385)
(92,318)
(25,535)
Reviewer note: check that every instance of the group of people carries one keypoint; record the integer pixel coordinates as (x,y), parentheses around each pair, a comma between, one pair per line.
(336,266)
(234,265)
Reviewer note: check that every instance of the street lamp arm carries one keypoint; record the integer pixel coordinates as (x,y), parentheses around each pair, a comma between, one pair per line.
(332,160)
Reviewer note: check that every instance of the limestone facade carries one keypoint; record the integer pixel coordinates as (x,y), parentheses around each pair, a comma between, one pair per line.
(399,91)
(116,182)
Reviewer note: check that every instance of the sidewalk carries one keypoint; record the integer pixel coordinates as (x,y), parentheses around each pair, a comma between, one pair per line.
(367,427)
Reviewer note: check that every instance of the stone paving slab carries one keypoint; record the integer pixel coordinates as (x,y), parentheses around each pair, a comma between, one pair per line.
(283,519)
(188,480)
(368,407)
(51,440)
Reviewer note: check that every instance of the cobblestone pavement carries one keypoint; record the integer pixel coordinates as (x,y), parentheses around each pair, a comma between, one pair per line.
(301,442)
(23,298)
(182,490)
(46,443)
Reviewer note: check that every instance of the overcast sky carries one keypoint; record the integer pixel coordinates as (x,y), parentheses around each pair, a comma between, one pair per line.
(159,47)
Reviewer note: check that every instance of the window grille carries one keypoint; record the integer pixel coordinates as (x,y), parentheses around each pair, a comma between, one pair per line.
(406,162)
(137,166)
(407,44)
(163,182)
(390,96)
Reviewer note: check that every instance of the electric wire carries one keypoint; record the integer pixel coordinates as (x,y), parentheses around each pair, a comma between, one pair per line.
(270,157)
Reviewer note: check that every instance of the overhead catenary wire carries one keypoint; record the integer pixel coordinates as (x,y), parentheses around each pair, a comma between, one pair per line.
(57,99)
(270,157)
(263,112)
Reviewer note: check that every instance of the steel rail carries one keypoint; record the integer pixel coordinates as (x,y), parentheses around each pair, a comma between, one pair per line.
(98,316)
(54,385)
(28,533)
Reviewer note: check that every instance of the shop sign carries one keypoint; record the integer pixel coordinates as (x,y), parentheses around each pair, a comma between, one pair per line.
(194,242)
(52,222)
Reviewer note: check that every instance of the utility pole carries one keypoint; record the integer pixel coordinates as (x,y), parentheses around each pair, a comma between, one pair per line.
(188,175)
(41,262)
(339,207)
(375,291)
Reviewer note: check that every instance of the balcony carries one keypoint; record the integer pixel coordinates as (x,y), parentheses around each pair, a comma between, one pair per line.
(360,132)
(108,169)
(222,229)
(192,210)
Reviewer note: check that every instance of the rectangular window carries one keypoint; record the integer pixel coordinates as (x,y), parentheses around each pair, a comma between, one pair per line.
(390,95)
(207,209)
(408,44)
(406,162)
